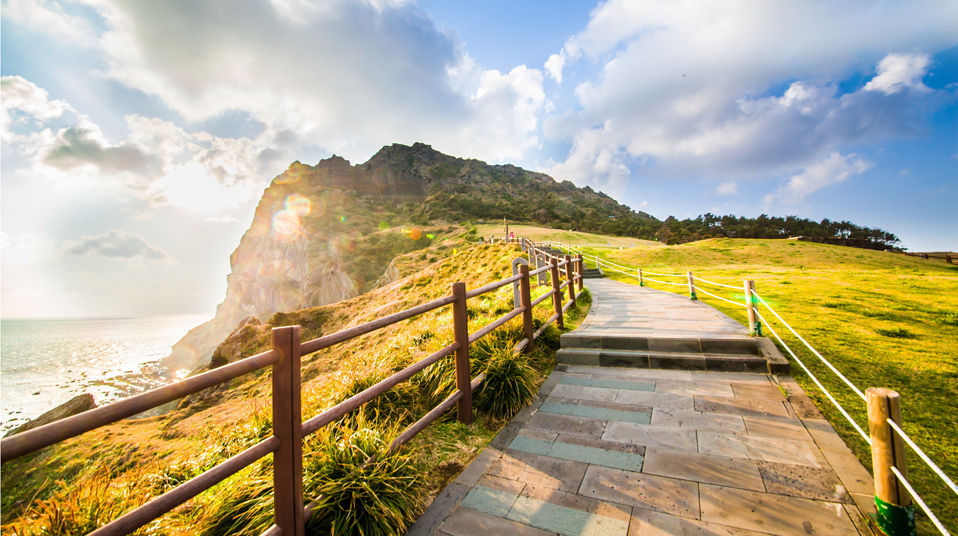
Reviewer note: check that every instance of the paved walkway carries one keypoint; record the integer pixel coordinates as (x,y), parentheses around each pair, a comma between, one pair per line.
(637,451)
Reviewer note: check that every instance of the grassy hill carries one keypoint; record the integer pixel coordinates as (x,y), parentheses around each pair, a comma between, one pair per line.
(883,319)
(80,484)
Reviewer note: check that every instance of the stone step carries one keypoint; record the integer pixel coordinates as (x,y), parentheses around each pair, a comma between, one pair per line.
(668,360)
(706,345)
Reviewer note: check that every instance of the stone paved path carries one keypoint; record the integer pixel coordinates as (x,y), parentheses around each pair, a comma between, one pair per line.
(644,451)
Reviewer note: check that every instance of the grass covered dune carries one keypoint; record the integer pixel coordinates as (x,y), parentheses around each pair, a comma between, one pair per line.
(883,319)
(81,484)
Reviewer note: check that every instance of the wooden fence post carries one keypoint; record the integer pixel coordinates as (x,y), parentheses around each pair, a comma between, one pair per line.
(895,516)
(753,327)
(460,328)
(580,264)
(557,292)
(569,277)
(287,427)
(641,281)
(525,296)
(692,295)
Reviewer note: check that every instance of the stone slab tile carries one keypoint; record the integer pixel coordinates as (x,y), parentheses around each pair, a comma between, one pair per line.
(820,483)
(758,448)
(595,412)
(651,523)
(572,500)
(468,522)
(721,470)
(600,444)
(654,400)
(758,390)
(694,388)
(650,435)
(473,472)
(781,427)
(580,392)
(564,520)
(823,434)
(850,471)
(641,490)
(774,514)
(697,420)
(738,377)
(638,374)
(567,424)
(444,503)
(580,453)
(492,501)
(539,470)
(608,383)
(741,406)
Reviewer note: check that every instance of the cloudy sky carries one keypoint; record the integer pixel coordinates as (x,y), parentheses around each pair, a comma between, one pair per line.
(138,136)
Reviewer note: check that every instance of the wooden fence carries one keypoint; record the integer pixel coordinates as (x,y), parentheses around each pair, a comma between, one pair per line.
(286,443)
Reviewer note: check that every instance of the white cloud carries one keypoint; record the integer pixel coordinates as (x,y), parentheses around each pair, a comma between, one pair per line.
(900,71)
(727,188)
(692,87)
(24,103)
(117,244)
(350,76)
(49,16)
(833,169)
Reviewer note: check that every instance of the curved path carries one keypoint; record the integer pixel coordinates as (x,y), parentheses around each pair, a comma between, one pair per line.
(651,451)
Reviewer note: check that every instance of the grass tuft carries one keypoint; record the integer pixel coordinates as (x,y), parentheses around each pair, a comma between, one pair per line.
(896,333)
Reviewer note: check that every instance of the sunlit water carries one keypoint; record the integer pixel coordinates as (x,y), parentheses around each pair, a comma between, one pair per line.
(44,363)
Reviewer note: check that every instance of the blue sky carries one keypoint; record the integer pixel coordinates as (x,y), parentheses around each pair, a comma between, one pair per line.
(137,136)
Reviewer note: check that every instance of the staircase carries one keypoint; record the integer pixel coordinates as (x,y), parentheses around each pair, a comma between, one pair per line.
(589,273)
(631,326)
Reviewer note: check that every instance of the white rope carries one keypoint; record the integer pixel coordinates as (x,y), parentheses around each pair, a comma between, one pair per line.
(717,284)
(663,275)
(924,457)
(818,383)
(814,351)
(740,304)
(664,282)
(914,495)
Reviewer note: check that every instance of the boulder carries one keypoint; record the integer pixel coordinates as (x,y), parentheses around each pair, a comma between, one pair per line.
(77,404)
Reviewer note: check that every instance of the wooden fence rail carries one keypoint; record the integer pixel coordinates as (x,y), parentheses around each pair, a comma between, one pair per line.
(286,442)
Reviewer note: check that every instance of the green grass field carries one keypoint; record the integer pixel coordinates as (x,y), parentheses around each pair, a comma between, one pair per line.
(883,319)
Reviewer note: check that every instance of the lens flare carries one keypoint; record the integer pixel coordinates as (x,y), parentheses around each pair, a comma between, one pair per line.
(286,224)
(383,226)
(342,219)
(430,236)
(298,204)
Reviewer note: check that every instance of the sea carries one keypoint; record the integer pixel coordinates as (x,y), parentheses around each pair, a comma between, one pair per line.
(45,362)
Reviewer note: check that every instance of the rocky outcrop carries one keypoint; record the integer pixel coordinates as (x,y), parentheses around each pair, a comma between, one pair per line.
(302,248)
(75,405)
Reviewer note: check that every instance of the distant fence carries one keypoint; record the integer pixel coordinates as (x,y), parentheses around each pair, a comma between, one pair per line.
(289,429)
(885,437)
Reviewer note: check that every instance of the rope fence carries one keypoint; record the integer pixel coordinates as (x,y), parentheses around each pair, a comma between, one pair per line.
(895,508)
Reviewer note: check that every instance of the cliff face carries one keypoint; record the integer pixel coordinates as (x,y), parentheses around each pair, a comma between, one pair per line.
(324,233)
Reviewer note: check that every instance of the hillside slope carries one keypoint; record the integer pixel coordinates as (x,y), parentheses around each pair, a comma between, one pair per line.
(84,482)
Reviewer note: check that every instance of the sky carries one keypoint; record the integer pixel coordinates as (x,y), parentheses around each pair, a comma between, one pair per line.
(137,137)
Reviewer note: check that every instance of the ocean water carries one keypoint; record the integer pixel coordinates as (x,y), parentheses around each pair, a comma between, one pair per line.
(44,363)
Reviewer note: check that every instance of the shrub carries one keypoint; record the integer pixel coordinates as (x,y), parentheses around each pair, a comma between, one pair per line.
(509,385)
(358,485)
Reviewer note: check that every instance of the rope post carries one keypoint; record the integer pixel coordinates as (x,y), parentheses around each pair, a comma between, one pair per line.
(895,515)
(460,330)
(525,297)
(288,428)
(580,264)
(641,282)
(692,295)
(556,292)
(569,277)
(754,327)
